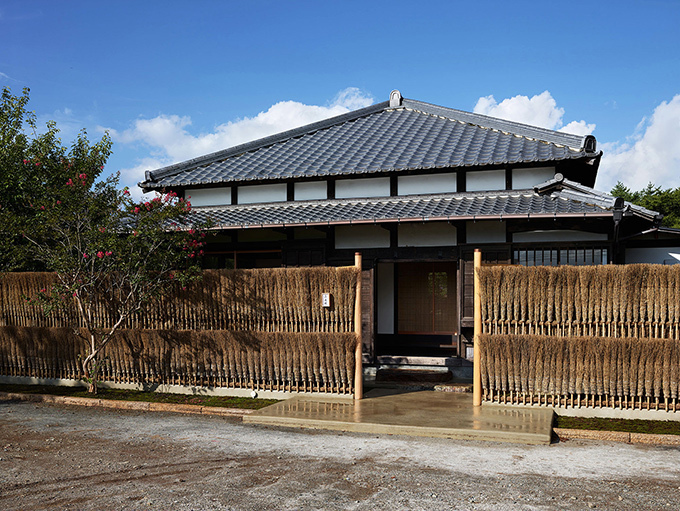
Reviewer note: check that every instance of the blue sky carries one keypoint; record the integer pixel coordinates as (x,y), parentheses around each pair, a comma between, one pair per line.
(173,80)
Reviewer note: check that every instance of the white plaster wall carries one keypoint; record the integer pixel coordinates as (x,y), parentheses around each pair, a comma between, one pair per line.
(311,190)
(485,180)
(558,235)
(361,236)
(427,183)
(366,187)
(209,196)
(528,178)
(254,194)
(486,231)
(653,255)
(430,234)
(385,292)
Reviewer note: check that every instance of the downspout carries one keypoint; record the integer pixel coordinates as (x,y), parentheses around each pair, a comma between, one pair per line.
(617,217)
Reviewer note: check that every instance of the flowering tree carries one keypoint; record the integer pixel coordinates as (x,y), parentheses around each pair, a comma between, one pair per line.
(33,164)
(111,255)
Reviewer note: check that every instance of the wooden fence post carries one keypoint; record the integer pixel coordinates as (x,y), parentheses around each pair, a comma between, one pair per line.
(476,368)
(358,365)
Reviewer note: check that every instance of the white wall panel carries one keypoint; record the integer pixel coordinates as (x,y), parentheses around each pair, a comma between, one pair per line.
(528,178)
(361,236)
(366,187)
(209,196)
(653,255)
(254,194)
(486,231)
(485,180)
(427,183)
(430,234)
(311,190)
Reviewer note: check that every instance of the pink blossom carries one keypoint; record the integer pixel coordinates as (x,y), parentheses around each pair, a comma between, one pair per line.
(75,293)
(69,182)
(85,256)
(42,208)
(58,202)
(100,254)
(126,192)
(136,210)
(82,176)
(108,253)
(37,164)
(25,161)
(43,290)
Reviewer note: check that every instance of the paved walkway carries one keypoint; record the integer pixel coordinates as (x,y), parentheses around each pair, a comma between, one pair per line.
(420,413)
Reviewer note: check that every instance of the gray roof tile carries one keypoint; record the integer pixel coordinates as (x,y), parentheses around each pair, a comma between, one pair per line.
(377,139)
(452,206)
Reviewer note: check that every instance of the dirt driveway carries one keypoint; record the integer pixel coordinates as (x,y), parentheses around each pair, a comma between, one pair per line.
(60,457)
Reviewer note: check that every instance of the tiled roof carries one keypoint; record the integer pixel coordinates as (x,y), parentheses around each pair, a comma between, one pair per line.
(453,206)
(380,138)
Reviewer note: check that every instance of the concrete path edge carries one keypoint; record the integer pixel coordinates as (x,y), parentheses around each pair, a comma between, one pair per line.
(562,433)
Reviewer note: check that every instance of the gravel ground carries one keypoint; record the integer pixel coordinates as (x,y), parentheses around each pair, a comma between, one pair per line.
(61,457)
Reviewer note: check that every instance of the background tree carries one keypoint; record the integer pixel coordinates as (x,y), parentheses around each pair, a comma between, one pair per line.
(655,198)
(111,255)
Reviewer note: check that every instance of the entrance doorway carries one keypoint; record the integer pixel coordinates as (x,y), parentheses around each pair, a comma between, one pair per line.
(423,306)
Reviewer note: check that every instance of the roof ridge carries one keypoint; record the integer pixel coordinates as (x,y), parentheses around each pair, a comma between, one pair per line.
(174,168)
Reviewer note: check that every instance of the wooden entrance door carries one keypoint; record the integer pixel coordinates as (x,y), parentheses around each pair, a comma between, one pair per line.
(426,298)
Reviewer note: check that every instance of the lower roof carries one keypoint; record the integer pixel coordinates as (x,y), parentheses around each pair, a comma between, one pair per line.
(498,205)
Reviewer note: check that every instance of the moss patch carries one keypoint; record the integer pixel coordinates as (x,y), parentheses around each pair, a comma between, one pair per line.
(136,395)
(625,425)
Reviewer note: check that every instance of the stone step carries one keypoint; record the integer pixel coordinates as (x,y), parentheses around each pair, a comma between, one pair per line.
(453,387)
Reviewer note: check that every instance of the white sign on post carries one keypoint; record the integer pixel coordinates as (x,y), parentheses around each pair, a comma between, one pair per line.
(325,299)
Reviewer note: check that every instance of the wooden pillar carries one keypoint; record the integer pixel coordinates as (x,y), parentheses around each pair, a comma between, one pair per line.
(358,365)
(476,368)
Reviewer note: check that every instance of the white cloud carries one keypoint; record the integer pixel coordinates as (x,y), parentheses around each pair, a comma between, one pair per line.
(578,128)
(170,140)
(652,153)
(539,110)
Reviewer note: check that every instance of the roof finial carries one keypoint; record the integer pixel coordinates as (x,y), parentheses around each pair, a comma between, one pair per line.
(395,98)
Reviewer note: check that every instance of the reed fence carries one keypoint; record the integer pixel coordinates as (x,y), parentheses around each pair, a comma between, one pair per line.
(626,373)
(259,329)
(636,300)
(284,361)
(263,300)
(581,336)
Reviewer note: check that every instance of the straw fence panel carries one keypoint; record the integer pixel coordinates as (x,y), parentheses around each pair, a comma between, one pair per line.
(263,300)
(629,373)
(581,336)
(256,329)
(284,361)
(608,301)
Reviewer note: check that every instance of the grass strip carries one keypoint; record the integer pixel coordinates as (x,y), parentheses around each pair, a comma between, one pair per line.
(137,395)
(625,425)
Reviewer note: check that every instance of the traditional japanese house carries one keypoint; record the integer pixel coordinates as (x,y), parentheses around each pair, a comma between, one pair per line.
(415,188)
